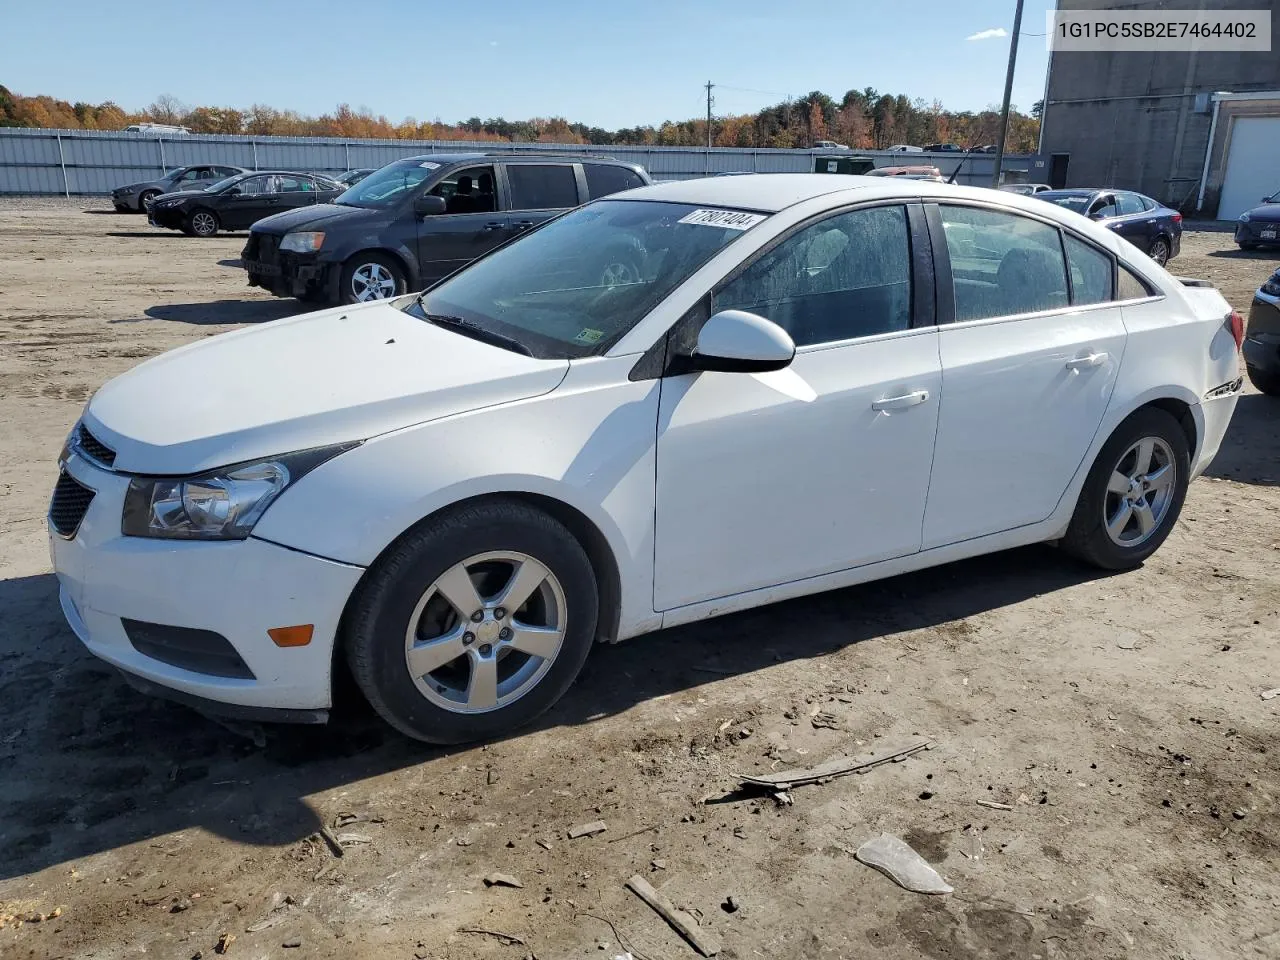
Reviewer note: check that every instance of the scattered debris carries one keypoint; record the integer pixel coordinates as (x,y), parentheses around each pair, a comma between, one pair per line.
(786,779)
(993,805)
(897,861)
(704,941)
(972,843)
(1271,694)
(544,844)
(730,905)
(509,939)
(277,914)
(179,905)
(1239,813)
(464,841)
(224,943)
(334,846)
(351,839)
(292,944)
(633,833)
(825,721)
(502,880)
(783,798)
(657,864)
(587,829)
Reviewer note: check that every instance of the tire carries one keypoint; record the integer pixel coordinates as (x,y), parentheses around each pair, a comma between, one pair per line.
(145,198)
(622,265)
(1268,383)
(1087,536)
(370,276)
(202,223)
(1159,251)
(401,598)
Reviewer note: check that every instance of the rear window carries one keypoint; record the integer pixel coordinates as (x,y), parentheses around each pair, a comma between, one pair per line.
(537,186)
(604,179)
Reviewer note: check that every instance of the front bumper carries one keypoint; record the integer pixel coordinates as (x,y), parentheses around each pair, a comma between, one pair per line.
(1261,345)
(238,589)
(171,218)
(1254,230)
(287,274)
(125,202)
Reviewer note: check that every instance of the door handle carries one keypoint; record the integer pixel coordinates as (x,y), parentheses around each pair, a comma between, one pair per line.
(494,225)
(522,224)
(1084,363)
(900,403)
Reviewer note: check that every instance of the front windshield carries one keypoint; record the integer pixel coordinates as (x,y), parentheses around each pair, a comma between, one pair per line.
(387,186)
(221,184)
(574,287)
(1072,201)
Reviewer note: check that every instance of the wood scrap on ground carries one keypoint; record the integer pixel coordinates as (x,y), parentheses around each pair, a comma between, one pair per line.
(842,766)
(701,939)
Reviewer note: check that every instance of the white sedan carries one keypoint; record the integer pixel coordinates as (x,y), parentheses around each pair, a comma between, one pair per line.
(667,405)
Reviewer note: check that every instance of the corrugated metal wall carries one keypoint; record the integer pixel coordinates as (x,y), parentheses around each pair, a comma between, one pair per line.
(88,162)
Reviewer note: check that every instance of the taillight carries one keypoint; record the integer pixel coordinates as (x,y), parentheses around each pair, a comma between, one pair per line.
(1177,218)
(1235,323)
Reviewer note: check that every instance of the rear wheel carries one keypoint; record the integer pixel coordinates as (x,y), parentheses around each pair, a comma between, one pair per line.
(1268,383)
(371,276)
(1133,494)
(1160,251)
(474,623)
(202,223)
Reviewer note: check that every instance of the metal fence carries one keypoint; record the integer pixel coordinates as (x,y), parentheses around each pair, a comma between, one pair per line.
(92,162)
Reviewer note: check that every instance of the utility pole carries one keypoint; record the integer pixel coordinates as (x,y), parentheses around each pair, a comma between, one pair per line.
(1008,92)
(709,86)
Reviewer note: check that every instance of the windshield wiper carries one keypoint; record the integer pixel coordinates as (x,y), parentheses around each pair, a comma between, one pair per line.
(475,331)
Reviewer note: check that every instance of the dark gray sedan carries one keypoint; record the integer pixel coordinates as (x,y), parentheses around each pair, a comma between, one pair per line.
(1260,227)
(136,197)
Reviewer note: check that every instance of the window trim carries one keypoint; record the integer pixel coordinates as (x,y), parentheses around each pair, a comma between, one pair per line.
(921,274)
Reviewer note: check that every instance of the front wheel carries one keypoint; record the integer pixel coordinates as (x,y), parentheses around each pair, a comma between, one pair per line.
(1133,494)
(1160,251)
(474,623)
(202,223)
(1246,245)
(370,276)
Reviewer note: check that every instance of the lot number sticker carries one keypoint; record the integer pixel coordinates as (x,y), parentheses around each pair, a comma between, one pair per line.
(725,219)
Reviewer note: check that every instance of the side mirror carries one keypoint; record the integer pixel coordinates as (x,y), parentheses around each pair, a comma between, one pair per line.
(428,205)
(1267,200)
(734,341)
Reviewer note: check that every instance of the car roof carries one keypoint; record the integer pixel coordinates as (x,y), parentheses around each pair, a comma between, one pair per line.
(448,158)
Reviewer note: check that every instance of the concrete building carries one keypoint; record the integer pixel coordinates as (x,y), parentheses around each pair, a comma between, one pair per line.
(1199,131)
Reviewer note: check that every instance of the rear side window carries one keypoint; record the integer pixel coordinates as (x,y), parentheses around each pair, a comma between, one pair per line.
(293,184)
(1129,203)
(1003,264)
(1132,287)
(1090,272)
(542,186)
(604,179)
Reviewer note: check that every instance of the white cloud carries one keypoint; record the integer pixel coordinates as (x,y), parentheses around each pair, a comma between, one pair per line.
(989,34)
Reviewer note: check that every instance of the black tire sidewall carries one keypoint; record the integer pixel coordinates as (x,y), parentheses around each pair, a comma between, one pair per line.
(1087,536)
(349,268)
(376,631)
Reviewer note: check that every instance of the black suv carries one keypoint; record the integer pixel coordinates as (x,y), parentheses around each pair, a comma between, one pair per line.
(417,220)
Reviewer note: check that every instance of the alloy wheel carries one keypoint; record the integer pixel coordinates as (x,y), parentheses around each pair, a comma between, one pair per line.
(203,224)
(485,632)
(1140,492)
(372,281)
(618,274)
(1160,252)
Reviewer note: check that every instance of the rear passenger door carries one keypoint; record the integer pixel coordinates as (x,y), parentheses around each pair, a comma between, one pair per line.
(1134,223)
(540,191)
(295,192)
(1031,340)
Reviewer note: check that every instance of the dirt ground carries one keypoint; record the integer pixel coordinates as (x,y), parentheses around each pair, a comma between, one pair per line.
(1119,717)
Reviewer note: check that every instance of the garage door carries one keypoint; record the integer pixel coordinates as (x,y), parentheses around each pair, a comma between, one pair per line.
(1252,168)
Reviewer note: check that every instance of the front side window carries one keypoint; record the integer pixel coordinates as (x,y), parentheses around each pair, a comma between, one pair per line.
(1090,272)
(253,186)
(1104,207)
(572,288)
(606,178)
(468,191)
(1003,264)
(536,186)
(844,277)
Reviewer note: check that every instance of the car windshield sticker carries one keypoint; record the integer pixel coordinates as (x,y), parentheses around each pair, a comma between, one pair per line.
(725,219)
(428,165)
(588,336)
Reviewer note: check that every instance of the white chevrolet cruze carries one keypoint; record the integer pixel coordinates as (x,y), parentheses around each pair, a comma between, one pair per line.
(674,403)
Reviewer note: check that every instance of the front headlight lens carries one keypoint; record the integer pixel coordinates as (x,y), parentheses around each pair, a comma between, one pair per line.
(1244,218)
(302,242)
(223,504)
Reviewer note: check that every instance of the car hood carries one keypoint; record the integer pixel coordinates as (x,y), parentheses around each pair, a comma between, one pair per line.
(183,194)
(1267,213)
(140,185)
(306,218)
(333,376)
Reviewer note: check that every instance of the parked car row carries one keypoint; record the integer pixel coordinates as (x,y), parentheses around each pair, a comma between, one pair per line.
(238,202)
(137,197)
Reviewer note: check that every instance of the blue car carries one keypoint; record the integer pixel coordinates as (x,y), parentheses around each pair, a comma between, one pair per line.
(1150,226)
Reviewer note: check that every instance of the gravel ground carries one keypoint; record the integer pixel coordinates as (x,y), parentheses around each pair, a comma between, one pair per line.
(1118,717)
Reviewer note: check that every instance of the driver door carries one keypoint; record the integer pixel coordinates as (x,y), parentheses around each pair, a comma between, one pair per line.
(764,479)
(473,223)
(257,199)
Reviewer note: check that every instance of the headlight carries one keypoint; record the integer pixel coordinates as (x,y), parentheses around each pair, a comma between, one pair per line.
(302,242)
(1244,218)
(223,504)
(166,203)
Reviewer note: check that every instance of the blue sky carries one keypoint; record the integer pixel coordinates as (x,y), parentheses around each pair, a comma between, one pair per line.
(605,64)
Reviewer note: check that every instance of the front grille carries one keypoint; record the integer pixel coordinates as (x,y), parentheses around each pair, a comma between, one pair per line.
(69,505)
(268,248)
(200,651)
(94,448)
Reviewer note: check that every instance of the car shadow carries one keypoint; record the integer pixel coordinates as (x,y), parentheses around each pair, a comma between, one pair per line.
(231,262)
(1250,451)
(113,212)
(91,765)
(156,233)
(223,311)
(1239,254)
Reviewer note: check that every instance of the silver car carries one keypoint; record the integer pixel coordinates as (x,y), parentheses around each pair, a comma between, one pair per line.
(136,197)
